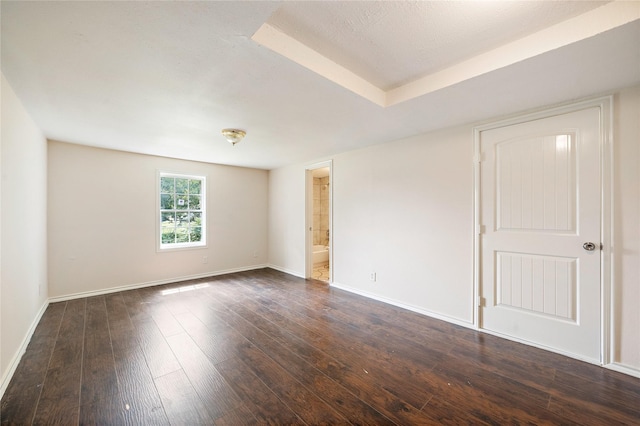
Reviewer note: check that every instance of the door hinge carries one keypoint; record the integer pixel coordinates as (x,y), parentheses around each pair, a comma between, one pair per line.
(480,301)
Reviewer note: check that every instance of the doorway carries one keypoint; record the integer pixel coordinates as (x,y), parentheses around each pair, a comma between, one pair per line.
(319,197)
(540,240)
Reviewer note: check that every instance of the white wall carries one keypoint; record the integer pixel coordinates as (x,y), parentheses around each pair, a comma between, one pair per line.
(404,210)
(102,220)
(23,213)
(287,219)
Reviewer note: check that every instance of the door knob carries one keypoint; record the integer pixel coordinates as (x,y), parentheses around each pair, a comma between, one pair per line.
(589,246)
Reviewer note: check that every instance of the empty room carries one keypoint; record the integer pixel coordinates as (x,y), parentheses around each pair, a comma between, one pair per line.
(320,212)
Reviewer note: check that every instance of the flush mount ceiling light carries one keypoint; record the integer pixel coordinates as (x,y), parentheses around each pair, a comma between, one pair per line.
(233,136)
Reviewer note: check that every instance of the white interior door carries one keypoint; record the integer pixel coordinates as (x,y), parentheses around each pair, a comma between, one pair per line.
(539,209)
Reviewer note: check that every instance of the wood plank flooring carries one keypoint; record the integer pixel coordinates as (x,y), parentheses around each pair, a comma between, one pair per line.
(263,347)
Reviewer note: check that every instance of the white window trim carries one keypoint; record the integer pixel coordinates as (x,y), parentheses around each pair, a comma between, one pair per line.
(160,247)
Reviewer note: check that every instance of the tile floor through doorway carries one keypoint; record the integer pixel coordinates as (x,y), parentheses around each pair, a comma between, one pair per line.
(321,271)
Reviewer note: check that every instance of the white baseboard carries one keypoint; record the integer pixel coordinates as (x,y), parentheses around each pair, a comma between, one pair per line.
(625,369)
(621,368)
(101,292)
(13,365)
(286,271)
(416,309)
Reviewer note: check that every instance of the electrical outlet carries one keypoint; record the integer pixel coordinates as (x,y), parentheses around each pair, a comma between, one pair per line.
(255,254)
(205,259)
(372,276)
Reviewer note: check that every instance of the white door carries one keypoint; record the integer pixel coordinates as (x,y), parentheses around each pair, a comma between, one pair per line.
(540,210)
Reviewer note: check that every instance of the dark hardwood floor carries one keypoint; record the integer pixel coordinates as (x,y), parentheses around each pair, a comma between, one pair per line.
(264,347)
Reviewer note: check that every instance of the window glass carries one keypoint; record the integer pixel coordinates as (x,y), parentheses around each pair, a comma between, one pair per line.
(182,212)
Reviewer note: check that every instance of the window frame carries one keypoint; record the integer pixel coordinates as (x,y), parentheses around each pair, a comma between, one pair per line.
(164,247)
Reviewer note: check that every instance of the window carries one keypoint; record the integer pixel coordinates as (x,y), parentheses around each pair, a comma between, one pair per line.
(182,211)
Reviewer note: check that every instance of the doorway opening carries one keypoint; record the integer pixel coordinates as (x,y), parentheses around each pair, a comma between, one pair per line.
(319,222)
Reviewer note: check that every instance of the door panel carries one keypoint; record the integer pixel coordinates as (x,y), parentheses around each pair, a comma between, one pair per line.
(536,183)
(540,201)
(540,284)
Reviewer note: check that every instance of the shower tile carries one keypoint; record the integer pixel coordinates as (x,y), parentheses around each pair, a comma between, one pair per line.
(324,222)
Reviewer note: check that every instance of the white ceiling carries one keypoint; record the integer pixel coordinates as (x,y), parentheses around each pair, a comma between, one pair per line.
(390,43)
(164,78)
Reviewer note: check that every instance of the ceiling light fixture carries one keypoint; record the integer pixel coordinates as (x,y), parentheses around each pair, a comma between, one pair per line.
(233,135)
